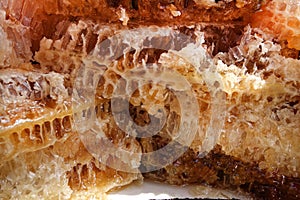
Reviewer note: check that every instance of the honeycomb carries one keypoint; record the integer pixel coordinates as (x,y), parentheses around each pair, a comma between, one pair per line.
(245,115)
(54,173)
(13,52)
(270,84)
(28,103)
(253,143)
(34,143)
(280,18)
